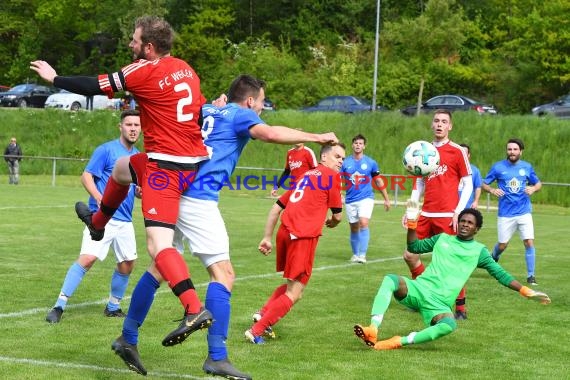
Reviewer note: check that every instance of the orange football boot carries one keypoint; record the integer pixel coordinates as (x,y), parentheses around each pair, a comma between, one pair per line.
(368,334)
(389,344)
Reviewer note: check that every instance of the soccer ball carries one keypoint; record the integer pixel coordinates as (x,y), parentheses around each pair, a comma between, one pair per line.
(420,158)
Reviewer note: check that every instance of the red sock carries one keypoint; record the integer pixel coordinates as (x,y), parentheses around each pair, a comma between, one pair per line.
(417,271)
(173,269)
(276,310)
(460,301)
(278,292)
(113,195)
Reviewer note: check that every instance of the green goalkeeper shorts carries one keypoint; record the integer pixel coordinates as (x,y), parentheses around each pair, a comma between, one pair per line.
(424,300)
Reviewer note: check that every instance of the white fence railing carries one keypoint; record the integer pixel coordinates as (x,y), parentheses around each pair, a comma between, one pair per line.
(395,189)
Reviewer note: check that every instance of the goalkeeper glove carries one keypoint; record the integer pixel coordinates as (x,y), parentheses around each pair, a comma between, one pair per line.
(541,297)
(412,214)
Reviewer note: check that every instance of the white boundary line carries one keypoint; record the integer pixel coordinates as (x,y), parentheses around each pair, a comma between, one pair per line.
(38,310)
(46,363)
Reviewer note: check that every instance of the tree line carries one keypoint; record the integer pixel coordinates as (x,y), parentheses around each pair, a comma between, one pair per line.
(512,53)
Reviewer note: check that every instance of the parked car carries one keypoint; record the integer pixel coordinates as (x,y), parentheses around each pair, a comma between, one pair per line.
(26,95)
(451,103)
(4,88)
(346,104)
(268,105)
(560,108)
(70,101)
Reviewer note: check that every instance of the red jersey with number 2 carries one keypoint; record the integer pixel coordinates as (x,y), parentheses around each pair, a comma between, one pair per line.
(168,94)
(307,205)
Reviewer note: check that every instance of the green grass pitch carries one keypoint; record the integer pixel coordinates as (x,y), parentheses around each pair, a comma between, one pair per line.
(505,337)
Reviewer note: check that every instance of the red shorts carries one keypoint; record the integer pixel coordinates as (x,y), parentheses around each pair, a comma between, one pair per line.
(162,183)
(295,257)
(428,227)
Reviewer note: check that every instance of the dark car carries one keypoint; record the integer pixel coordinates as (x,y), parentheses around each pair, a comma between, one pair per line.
(26,95)
(451,103)
(559,108)
(268,105)
(346,104)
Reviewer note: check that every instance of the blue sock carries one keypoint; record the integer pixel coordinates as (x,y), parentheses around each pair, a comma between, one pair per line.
(354,242)
(530,259)
(364,235)
(141,301)
(496,252)
(218,303)
(72,280)
(119,283)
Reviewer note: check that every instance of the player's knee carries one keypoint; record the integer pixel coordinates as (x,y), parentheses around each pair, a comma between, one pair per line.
(446,326)
(410,257)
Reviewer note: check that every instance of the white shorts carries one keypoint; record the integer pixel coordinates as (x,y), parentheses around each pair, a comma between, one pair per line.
(201,226)
(506,227)
(120,234)
(359,209)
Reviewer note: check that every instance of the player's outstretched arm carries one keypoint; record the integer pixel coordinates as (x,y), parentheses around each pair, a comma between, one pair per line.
(529,293)
(534,295)
(44,70)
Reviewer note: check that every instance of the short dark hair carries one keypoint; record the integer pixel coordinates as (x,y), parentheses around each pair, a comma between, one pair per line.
(328,147)
(157,31)
(129,112)
(359,137)
(516,141)
(467,148)
(476,213)
(243,86)
(441,110)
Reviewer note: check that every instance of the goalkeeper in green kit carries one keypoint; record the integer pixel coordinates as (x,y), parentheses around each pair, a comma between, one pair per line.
(433,293)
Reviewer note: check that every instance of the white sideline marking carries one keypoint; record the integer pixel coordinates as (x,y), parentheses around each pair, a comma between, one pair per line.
(32,207)
(37,310)
(47,363)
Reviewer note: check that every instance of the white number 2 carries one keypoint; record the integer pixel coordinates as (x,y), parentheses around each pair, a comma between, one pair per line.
(180,115)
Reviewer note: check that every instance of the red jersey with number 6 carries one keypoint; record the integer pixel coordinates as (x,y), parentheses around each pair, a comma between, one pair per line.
(307,205)
(168,94)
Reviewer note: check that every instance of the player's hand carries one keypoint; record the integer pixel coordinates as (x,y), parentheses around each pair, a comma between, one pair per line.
(387,205)
(412,214)
(138,192)
(44,70)
(535,295)
(265,247)
(274,193)
(221,101)
(331,223)
(328,138)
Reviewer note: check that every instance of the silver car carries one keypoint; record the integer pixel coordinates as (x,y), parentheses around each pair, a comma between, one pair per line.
(558,108)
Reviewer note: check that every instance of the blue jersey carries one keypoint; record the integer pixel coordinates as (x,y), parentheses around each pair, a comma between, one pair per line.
(358,177)
(512,179)
(101,165)
(225,132)
(477,183)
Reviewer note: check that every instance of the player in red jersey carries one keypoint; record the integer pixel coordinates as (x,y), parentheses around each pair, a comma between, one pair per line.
(303,210)
(168,93)
(442,204)
(300,158)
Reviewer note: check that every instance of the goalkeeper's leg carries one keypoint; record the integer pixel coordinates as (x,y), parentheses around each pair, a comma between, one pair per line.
(369,334)
(442,328)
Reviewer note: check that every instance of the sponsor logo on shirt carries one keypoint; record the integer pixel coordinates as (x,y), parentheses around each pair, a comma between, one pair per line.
(441,170)
(295,164)
(514,185)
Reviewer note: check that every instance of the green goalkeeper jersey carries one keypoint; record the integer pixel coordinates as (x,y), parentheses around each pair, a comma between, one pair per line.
(453,261)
